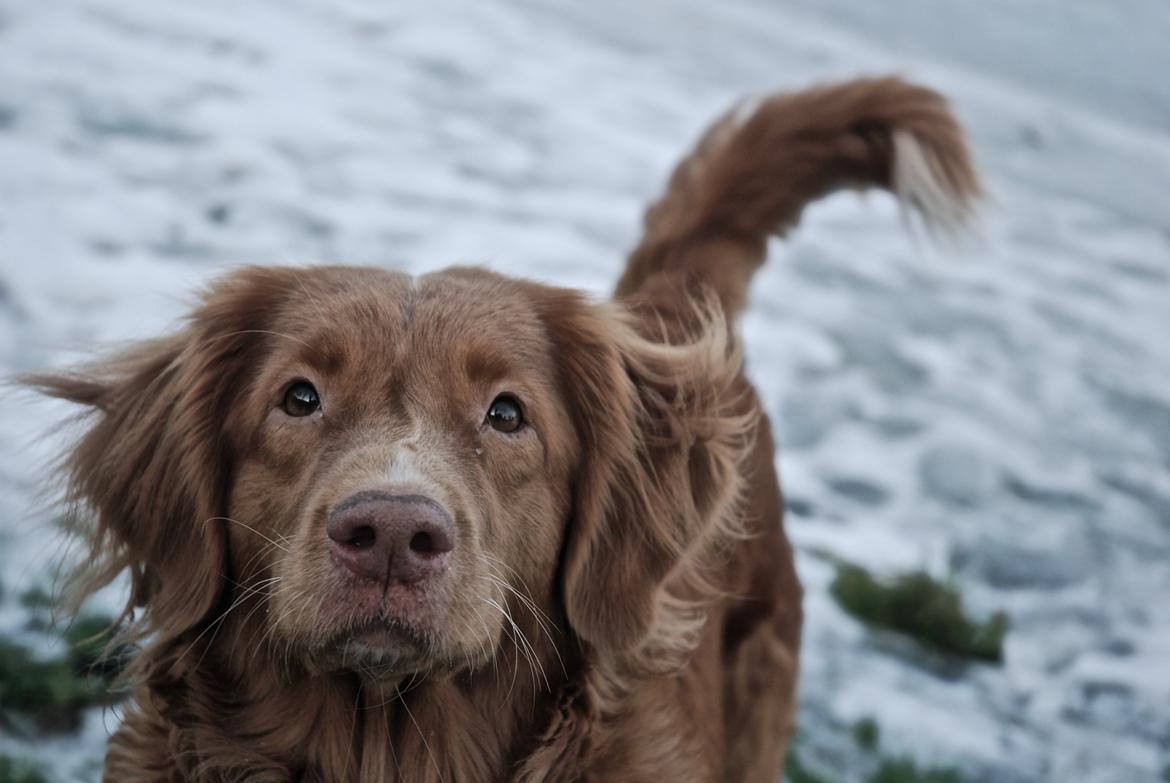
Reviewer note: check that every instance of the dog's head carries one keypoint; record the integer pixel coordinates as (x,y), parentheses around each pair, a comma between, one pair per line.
(384,467)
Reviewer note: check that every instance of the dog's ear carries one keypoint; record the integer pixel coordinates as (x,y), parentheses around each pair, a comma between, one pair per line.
(662,429)
(151,472)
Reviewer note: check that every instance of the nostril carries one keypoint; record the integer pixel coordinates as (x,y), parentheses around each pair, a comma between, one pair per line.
(388,537)
(362,536)
(421,543)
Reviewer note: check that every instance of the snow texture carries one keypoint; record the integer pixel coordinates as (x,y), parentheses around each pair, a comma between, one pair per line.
(1000,414)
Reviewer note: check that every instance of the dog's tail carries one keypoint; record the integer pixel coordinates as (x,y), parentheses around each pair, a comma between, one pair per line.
(755,169)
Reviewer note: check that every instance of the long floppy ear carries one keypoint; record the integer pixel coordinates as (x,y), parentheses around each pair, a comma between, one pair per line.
(662,430)
(150,475)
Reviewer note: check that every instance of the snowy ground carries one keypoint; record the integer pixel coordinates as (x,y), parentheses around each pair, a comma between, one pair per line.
(1003,416)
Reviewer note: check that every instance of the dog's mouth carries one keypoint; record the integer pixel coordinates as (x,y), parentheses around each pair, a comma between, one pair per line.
(380,647)
(384,633)
(386,617)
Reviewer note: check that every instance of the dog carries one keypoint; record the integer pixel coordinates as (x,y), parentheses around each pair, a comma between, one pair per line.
(464,527)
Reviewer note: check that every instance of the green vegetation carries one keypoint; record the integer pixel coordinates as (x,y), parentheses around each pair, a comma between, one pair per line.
(50,694)
(866,734)
(870,766)
(16,771)
(36,598)
(88,637)
(921,607)
(39,604)
(796,772)
(904,770)
(890,770)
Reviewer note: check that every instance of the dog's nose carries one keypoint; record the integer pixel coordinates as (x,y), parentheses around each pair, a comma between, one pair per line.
(390,537)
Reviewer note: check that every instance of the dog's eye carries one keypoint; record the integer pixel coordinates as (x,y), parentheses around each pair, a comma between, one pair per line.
(504,414)
(301,399)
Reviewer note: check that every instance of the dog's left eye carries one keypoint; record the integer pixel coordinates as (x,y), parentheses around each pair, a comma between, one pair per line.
(504,414)
(301,399)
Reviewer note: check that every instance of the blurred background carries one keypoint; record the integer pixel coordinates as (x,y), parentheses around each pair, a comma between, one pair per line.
(984,431)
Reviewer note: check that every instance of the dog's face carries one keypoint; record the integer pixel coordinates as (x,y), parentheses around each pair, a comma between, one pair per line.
(403,466)
(381,469)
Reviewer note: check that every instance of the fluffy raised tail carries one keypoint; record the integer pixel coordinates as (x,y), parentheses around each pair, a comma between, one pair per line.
(756,168)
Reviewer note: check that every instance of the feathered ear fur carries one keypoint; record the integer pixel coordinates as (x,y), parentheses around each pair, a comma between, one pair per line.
(662,429)
(150,475)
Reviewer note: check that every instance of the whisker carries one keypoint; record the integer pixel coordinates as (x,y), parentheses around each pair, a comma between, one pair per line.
(515,658)
(270,634)
(524,645)
(543,621)
(529,601)
(215,624)
(281,547)
(421,736)
(264,550)
(357,700)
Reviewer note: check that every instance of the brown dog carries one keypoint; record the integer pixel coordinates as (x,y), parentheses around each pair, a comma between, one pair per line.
(470,528)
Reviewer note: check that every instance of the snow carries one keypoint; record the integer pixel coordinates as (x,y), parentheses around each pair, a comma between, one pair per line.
(1001,413)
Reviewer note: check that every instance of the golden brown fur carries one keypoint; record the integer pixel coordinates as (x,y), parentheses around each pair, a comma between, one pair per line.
(620,603)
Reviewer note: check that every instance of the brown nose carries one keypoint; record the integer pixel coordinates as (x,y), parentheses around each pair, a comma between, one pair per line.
(390,537)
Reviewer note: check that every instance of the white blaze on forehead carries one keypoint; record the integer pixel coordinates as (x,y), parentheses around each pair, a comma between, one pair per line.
(410,465)
(404,468)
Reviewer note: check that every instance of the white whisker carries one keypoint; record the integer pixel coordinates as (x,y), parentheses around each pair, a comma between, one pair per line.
(279,546)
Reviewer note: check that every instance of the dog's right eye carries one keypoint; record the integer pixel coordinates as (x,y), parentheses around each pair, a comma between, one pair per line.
(301,399)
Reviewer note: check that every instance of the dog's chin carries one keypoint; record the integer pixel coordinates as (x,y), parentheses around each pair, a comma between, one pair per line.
(377,649)
(387,649)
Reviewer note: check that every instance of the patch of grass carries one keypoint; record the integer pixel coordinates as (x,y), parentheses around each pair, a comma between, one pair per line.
(49,692)
(17,771)
(866,733)
(36,598)
(867,766)
(919,606)
(905,770)
(796,772)
(39,604)
(88,637)
(52,693)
